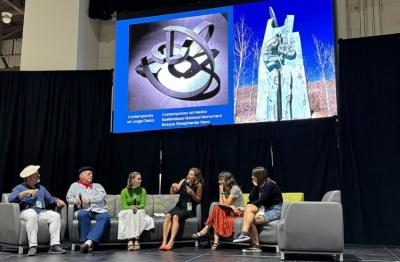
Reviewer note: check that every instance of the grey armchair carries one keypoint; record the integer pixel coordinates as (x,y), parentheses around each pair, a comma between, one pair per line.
(312,227)
(13,230)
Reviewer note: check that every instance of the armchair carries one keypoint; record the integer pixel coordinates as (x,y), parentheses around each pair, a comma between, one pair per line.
(312,227)
(13,230)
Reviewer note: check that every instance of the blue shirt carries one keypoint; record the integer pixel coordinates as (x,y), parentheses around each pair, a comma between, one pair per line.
(30,201)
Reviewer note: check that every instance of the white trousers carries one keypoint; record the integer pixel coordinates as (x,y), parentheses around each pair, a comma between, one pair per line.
(131,225)
(32,224)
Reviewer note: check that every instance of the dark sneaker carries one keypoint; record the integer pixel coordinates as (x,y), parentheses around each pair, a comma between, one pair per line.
(56,249)
(84,248)
(252,249)
(32,251)
(243,237)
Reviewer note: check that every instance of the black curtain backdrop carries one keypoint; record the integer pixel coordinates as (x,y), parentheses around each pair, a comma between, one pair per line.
(61,120)
(369,110)
(55,119)
(302,156)
(306,157)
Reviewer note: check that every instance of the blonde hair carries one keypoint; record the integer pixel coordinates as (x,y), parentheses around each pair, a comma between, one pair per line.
(131,176)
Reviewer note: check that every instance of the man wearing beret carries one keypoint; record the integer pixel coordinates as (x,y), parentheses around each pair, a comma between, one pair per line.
(32,198)
(90,201)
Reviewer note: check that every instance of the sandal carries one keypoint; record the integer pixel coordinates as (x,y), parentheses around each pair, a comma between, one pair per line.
(136,246)
(197,235)
(131,246)
(215,246)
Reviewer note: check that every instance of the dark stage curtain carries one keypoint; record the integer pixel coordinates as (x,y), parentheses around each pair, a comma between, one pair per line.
(369,95)
(304,154)
(61,121)
(139,152)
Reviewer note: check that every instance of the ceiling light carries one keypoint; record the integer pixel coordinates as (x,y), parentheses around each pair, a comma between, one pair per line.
(6,17)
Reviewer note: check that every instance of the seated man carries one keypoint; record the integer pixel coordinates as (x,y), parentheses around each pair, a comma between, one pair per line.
(89,199)
(32,198)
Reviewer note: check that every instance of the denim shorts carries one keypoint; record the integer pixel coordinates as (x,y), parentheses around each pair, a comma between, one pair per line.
(272,213)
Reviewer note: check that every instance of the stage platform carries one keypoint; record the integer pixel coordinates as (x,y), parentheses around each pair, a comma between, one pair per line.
(150,253)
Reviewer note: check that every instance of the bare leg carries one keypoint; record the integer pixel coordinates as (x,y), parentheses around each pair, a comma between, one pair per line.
(216,237)
(248,217)
(205,229)
(254,235)
(166,228)
(174,230)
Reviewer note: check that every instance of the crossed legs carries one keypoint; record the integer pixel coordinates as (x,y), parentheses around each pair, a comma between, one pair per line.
(251,218)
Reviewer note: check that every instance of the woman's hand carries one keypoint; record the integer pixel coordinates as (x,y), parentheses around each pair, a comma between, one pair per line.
(221,188)
(190,191)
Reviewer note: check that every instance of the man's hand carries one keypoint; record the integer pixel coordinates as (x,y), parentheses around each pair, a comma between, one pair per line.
(32,192)
(77,201)
(60,203)
(85,202)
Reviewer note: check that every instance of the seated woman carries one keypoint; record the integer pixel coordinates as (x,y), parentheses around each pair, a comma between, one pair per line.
(190,191)
(132,219)
(265,206)
(222,216)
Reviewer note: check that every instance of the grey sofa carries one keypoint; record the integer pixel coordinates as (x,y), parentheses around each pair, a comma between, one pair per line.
(312,227)
(268,235)
(13,230)
(154,204)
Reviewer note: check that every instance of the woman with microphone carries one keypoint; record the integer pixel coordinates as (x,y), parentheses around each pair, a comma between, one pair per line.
(190,191)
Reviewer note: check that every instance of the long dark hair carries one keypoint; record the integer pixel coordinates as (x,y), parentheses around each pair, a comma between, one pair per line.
(229,180)
(261,175)
(197,174)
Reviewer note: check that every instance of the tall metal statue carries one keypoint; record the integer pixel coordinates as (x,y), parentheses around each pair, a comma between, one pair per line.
(282,87)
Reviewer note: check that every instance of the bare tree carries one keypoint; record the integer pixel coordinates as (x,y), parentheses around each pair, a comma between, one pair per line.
(256,50)
(322,55)
(332,60)
(242,37)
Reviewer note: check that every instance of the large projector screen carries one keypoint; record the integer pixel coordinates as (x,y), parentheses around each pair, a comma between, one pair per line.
(270,60)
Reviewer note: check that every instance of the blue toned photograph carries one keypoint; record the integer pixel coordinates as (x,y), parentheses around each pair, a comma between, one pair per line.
(173,71)
(178,63)
(284,60)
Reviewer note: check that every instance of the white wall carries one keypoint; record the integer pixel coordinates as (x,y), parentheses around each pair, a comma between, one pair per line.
(107,45)
(88,39)
(49,39)
(372,17)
